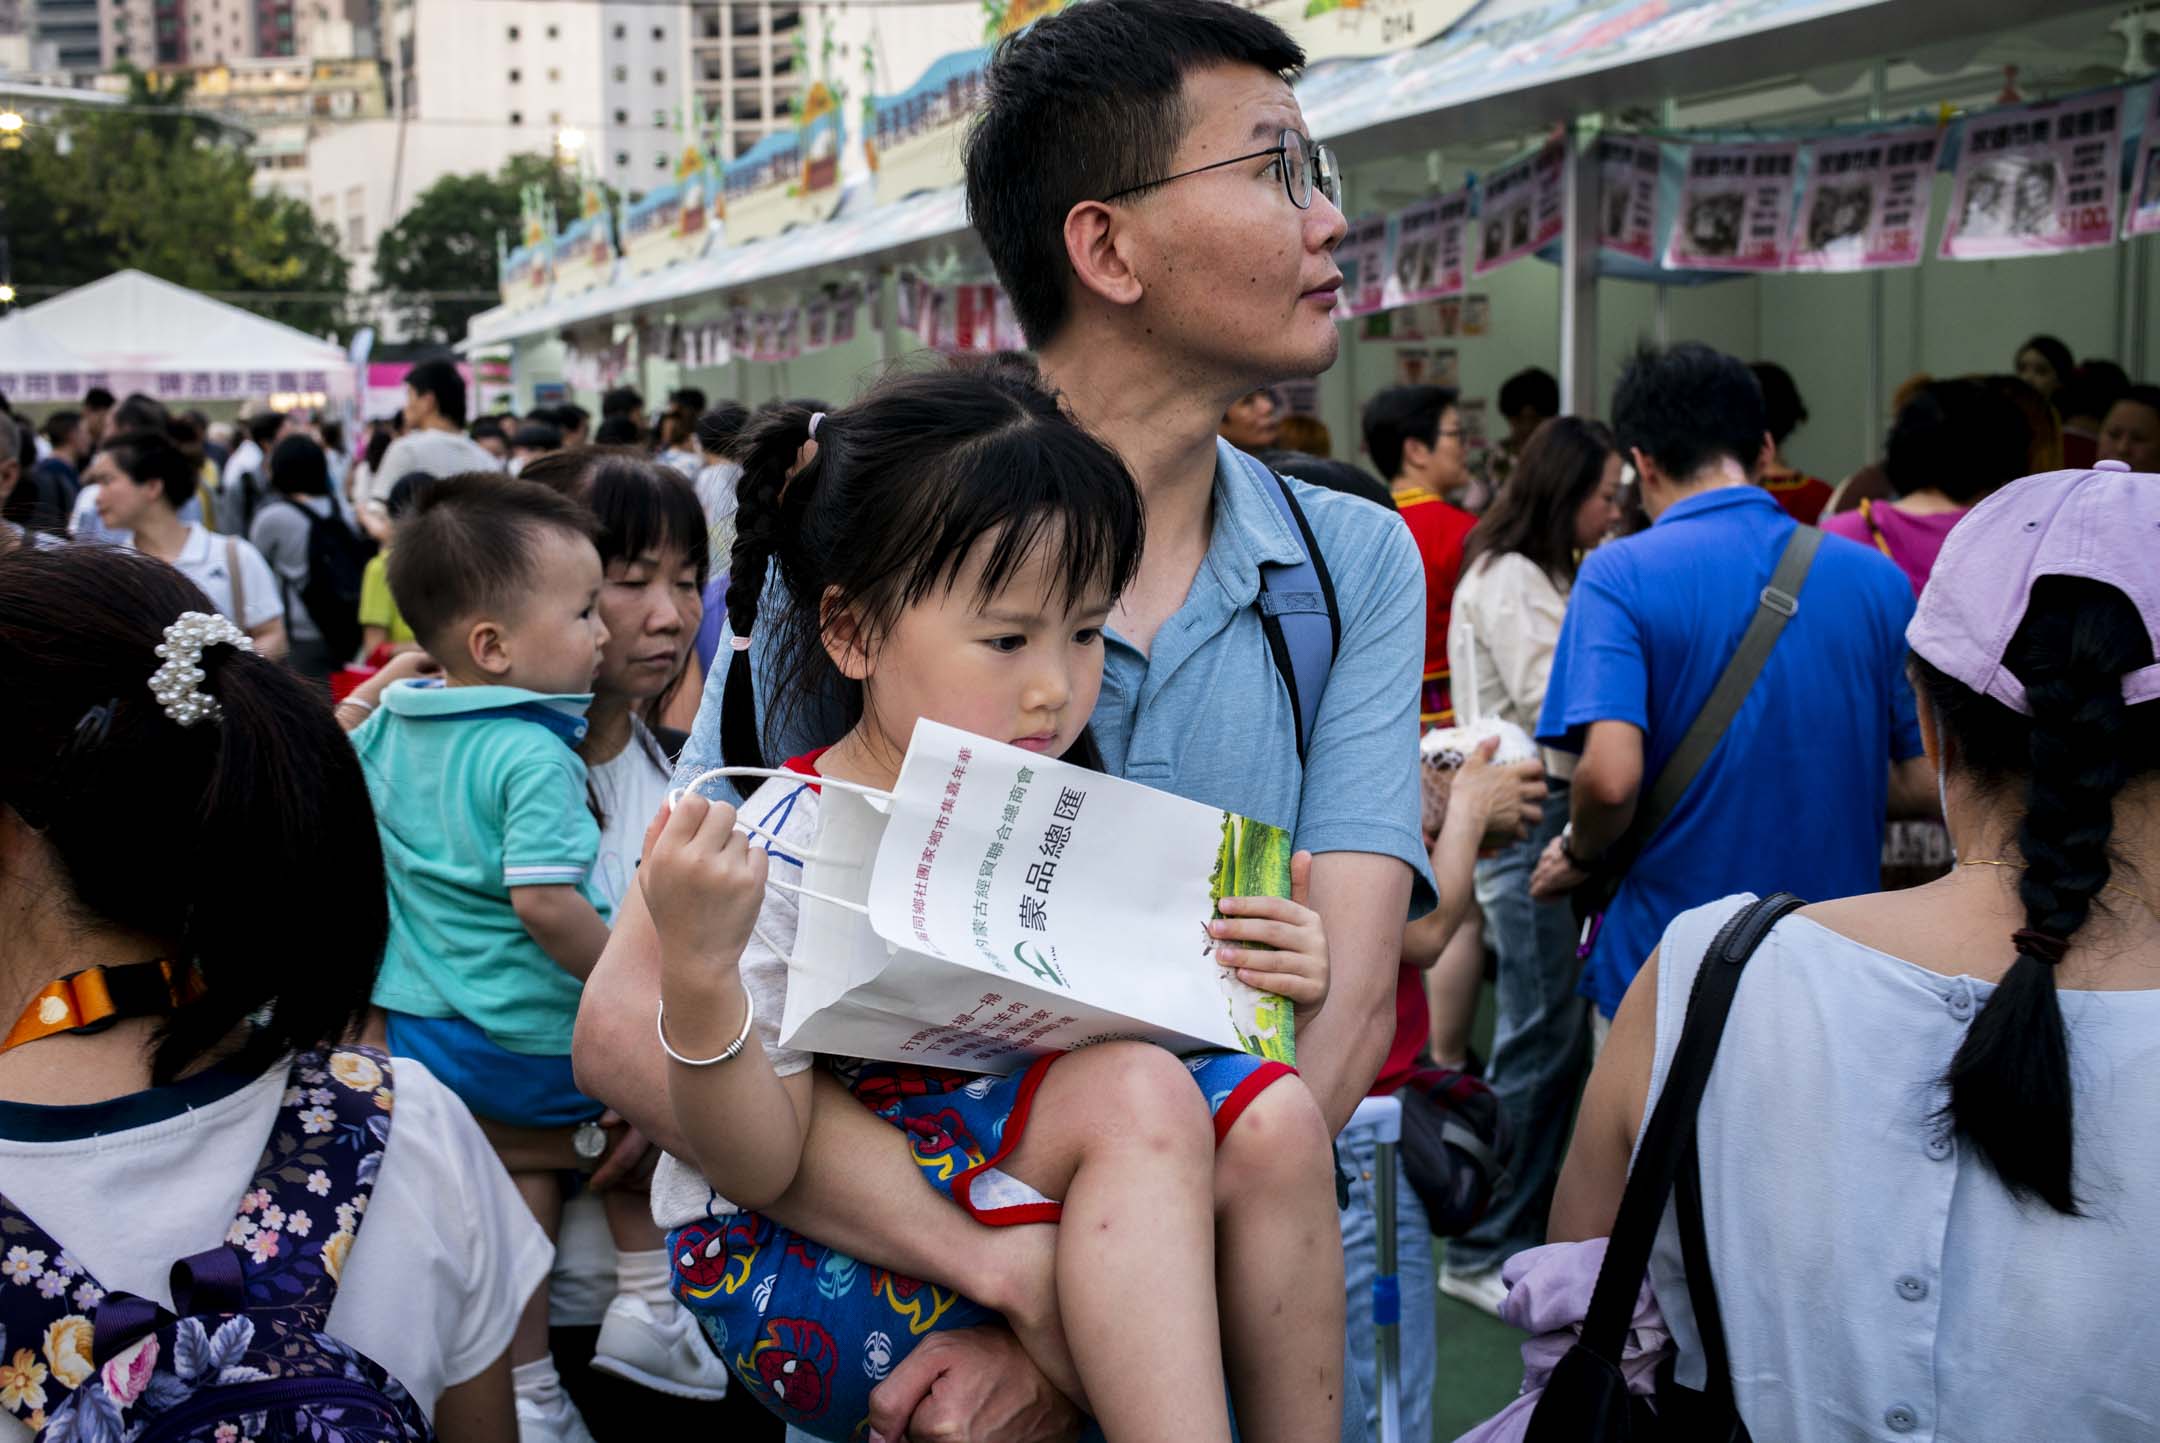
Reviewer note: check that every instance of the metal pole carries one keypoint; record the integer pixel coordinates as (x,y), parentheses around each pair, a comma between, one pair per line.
(1578,278)
(1871,413)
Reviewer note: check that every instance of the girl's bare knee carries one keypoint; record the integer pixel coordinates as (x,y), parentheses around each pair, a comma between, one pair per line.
(1131,1089)
(1279,1137)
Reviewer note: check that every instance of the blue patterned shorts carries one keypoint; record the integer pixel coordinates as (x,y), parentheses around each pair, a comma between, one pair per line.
(811,1331)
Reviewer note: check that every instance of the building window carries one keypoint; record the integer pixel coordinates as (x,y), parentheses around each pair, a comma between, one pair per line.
(513,32)
(622,117)
(622,75)
(621,32)
(622,158)
(660,120)
(659,32)
(659,161)
(554,75)
(554,32)
(516,76)
(517,117)
(659,76)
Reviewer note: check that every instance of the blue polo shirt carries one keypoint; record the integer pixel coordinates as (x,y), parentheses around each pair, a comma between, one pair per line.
(477,791)
(1794,796)
(1205,713)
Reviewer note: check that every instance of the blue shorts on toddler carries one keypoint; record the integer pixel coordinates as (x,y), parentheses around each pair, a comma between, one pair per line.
(496,1083)
(811,1331)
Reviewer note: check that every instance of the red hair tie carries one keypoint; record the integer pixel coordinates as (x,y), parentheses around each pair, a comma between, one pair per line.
(2040,946)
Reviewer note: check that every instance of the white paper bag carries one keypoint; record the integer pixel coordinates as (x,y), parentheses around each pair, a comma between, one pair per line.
(1002,905)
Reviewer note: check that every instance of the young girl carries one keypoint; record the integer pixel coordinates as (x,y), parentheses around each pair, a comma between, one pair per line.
(955,544)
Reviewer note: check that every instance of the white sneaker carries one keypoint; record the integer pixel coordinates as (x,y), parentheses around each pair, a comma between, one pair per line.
(667,1354)
(555,1421)
(1481,1289)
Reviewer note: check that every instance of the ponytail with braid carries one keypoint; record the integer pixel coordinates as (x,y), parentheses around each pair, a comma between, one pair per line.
(2010,1090)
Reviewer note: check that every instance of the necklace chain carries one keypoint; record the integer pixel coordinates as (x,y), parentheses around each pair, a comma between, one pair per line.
(2137,897)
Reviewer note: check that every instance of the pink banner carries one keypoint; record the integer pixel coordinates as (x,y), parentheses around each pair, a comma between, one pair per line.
(1363,258)
(1431,257)
(2037,179)
(1735,209)
(1522,210)
(2145,187)
(1627,195)
(1865,204)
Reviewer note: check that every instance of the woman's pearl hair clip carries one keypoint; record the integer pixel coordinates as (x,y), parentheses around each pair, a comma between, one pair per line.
(178,683)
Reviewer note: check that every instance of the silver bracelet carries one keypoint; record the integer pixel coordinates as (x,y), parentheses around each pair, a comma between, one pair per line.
(363,703)
(732,1050)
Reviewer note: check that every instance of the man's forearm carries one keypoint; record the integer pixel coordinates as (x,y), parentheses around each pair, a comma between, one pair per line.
(1599,826)
(1362,899)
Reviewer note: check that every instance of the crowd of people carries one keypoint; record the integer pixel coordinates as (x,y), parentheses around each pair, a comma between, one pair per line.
(367,799)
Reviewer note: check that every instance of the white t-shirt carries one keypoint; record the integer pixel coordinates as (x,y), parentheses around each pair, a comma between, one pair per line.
(630,788)
(441,1266)
(208,560)
(438,453)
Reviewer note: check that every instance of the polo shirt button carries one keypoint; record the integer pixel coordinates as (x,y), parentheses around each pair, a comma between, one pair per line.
(1960,1003)
(1939,1147)
(1912,1288)
(1901,1419)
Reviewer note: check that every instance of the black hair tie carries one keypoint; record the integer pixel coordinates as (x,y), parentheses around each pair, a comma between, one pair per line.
(2040,946)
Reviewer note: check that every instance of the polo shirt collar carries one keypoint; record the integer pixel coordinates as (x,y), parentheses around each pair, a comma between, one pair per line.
(428,699)
(1719,499)
(194,547)
(1249,529)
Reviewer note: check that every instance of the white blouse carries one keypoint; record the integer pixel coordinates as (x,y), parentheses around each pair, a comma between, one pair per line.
(1503,626)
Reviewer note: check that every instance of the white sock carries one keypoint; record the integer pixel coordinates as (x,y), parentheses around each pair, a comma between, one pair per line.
(644,1276)
(537,1381)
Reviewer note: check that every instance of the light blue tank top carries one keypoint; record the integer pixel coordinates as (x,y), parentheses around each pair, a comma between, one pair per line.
(1876,1280)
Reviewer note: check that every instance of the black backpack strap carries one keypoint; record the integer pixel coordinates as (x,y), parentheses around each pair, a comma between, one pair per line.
(1295,597)
(1668,1142)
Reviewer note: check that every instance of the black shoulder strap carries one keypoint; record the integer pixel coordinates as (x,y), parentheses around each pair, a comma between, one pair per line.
(1778,603)
(1669,1140)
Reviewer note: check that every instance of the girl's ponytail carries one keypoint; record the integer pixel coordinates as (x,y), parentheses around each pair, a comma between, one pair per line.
(767,451)
(2010,1090)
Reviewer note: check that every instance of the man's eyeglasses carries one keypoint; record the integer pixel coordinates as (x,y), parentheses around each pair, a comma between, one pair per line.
(1304,165)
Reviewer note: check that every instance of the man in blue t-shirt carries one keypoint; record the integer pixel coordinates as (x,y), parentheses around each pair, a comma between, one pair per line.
(1826,745)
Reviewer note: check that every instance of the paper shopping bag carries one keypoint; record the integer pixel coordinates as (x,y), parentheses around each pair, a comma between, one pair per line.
(1001,905)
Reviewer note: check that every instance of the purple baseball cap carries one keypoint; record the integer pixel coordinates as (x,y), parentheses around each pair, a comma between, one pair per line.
(2102,525)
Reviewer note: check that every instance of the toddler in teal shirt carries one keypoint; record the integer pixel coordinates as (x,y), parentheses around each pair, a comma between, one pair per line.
(489,845)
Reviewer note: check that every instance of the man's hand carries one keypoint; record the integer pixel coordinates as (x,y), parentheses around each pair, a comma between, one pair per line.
(1507,798)
(630,1158)
(970,1386)
(1555,876)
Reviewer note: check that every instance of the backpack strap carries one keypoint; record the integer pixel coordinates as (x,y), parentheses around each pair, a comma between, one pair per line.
(1297,605)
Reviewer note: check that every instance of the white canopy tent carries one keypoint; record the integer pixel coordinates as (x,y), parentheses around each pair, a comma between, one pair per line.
(134,332)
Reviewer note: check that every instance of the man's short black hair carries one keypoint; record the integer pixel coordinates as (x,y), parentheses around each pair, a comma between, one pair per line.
(97,398)
(1961,438)
(537,436)
(568,415)
(469,547)
(689,398)
(1080,105)
(1688,408)
(439,378)
(299,468)
(263,426)
(1533,390)
(1783,410)
(140,412)
(616,431)
(486,426)
(61,426)
(718,428)
(1400,414)
(622,401)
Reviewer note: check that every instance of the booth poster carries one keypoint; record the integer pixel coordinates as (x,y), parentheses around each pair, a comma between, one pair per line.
(1430,260)
(1865,202)
(1523,209)
(2037,179)
(2144,216)
(1627,195)
(1363,257)
(1342,29)
(1001,904)
(1735,208)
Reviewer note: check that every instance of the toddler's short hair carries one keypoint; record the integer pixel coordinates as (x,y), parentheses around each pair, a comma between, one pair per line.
(468,547)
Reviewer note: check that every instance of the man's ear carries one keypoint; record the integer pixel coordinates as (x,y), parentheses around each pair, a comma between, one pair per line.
(845,637)
(487,646)
(1415,454)
(1095,245)
(1763,459)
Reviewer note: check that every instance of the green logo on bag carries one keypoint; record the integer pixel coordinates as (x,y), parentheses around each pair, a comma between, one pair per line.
(1030,956)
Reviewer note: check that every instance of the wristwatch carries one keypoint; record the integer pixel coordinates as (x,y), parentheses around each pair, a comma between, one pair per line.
(1567,850)
(589,1142)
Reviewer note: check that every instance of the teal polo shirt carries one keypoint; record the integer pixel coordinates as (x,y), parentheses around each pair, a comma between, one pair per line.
(1204,714)
(477,790)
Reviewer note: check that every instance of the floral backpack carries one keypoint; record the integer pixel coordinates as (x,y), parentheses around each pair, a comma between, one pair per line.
(244,1358)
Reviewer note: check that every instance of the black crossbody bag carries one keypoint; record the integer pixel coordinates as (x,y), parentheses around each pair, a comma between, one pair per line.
(1587,1399)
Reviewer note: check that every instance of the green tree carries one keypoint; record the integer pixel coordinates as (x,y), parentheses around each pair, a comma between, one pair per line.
(155,188)
(446,243)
